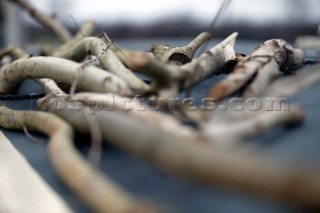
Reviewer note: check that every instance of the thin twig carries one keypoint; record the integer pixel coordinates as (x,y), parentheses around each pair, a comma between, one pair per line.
(221,10)
(37,140)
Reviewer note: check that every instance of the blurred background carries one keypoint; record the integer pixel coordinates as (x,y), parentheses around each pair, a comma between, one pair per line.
(138,24)
(138,19)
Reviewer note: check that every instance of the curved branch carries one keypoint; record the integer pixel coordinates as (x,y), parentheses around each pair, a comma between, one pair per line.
(214,166)
(91,78)
(106,57)
(265,62)
(180,55)
(95,189)
(170,78)
(86,30)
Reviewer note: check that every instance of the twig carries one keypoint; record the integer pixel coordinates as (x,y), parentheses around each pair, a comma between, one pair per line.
(308,42)
(265,62)
(86,30)
(111,102)
(106,57)
(50,87)
(95,189)
(215,19)
(210,61)
(22,188)
(170,78)
(92,78)
(47,21)
(235,125)
(25,130)
(213,166)
(14,51)
(292,85)
(180,55)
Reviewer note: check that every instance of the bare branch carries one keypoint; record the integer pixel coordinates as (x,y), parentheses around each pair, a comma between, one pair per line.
(47,21)
(95,189)
(180,55)
(86,30)
(106,57)
(214,166)
(294,84)
(265,62)
(91,78)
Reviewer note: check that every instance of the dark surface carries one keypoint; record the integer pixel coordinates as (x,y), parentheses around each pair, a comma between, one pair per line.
(298,145)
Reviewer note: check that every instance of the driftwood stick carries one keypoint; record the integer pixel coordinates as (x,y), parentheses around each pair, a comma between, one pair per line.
(91,78)
(232,127)
(106,57)
(294,84)
(170,78)
(111,102)
(265,62)
(167,78)
(95,189)
(209,62)
(229,168)
(214,166)
(22,189)
(180,55)
(46,20)
(14,52)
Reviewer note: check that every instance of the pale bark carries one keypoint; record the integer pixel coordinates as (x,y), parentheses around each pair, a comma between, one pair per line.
(22,189)
(46,20)
(170,78)
(14,52)
(264,62)
(111,102)
(106,57)
(308,42)
(294,84)
(86,30)
(90,78)
(97,190)
(233,126)
(180,55)
(214,166)
(210,61)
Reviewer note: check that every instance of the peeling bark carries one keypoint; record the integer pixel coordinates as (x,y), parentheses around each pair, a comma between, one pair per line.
(210,61)
(170,78)
(263,65)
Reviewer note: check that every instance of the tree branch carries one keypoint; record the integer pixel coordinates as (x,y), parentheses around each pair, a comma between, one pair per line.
(47,21)
(98,191)
(91,78)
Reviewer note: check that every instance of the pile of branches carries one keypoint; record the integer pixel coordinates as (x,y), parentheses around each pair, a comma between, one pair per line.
(103,97)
